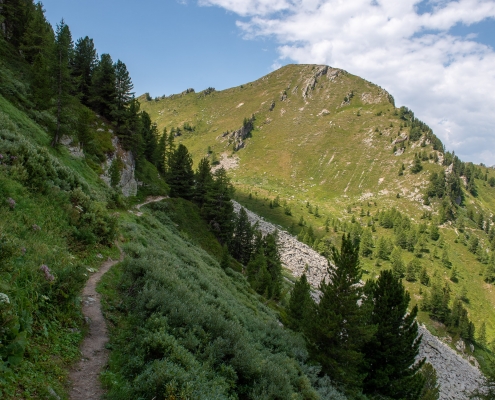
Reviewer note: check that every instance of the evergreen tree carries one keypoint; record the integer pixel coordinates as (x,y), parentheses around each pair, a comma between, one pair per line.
(131,132)
(241,244)
(424,278)
(390,357)
(411,271)
(161,148)
(366,245)
(38,35)
(382,249)
(180,177)
(123,92)
(103,92)
(339,329)
(300,304)
(149,133)
(83,65)
(398,268)
(273,263)
(62,73)
(203,179)
(217,208)
(431,389)
(16,16)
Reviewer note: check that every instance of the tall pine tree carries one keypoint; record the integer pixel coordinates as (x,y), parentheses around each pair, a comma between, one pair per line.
(300,304)
(83,66)
(63,55)
(180,177)
(391,354)
(340,327)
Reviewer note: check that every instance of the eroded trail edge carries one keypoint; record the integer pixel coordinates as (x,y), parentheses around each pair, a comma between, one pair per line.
(94,356)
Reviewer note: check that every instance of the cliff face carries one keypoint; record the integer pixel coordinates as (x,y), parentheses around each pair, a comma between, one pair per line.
(127,165)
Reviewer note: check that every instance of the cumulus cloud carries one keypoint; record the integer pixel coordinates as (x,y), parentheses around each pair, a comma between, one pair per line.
(404,46)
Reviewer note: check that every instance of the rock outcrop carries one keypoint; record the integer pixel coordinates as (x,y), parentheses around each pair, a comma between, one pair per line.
(297,257)
(238,136)
(127,183)
(75,150)
(457,377)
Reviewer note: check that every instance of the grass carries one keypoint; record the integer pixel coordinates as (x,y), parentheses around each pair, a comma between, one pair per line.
(198,331)
(335,161)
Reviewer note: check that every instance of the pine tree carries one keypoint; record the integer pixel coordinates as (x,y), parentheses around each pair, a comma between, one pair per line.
(391,354)
(38,36)
(424,277)
(366,246)
(83,65)
(431,388)
(300,304)
(123,92)
(241,244)
(180,177)
(217,208)
(62,73)
(339,329)
(398,268)
(203,179)
(411,271)
(16,15)
(273,263)
(103,92)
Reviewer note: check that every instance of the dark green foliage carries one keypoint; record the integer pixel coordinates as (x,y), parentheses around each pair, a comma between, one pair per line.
(83,64)
(203,179)
(242,242)
(491,181)
(390,356)
(340,328)
(198,329)
(424,278)
(431,388)
(217,208)
(123,93)
(103,92)
(181,176)
(366,244)
(417,167)
(63,80)
(300,305)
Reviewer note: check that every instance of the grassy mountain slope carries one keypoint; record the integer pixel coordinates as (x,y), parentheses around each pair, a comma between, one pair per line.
(328,139)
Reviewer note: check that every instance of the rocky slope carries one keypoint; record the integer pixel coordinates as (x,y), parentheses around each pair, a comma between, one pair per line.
(456,376)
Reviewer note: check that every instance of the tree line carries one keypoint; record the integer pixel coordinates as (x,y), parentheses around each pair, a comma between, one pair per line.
(69,82)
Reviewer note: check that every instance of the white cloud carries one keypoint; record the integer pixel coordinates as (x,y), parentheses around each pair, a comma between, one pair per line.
(448,81)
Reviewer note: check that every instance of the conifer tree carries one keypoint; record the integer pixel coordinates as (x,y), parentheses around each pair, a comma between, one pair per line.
(241,244)
(431,389)
(391,354)
(103,92)
(83,65)
(366,246)
(300,304)
(203,179)
(123,92)
(217,208)
(340,329)
(398,268)
(38,35)
(180,177)
(62,73)
(273,263)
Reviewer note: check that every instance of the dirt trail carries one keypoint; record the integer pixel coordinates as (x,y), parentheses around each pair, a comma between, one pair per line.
(85,374)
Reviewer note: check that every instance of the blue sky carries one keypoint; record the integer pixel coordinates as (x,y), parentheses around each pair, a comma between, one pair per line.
(168,46)
(436,57)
